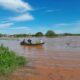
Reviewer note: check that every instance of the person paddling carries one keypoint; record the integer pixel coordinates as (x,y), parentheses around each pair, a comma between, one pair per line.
(29,41)
(24,41)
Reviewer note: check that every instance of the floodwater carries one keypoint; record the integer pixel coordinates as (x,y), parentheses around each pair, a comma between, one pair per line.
(57,59)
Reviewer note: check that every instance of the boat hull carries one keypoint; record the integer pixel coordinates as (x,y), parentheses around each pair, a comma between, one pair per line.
(36,44)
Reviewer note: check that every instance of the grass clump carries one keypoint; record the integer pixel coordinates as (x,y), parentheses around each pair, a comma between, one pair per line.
(9,61)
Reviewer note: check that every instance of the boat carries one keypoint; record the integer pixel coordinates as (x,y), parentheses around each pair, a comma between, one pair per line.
(33,44)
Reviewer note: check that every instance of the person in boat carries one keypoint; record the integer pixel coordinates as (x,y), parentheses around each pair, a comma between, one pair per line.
(24,41)
(29,41)
(41,41)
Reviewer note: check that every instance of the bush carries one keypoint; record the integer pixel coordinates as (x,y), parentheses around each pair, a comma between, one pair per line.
(50,34)
(21,60)
(67,34)
(9,60)
(39,34)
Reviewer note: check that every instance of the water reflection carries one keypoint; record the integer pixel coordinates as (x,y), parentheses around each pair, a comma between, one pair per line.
(29,48)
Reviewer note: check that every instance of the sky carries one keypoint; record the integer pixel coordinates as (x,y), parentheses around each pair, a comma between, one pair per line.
(31,16)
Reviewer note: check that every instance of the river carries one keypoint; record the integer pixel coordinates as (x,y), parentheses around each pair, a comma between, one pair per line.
(57,59)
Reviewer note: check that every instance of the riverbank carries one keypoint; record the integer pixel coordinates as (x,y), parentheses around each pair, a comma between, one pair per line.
(9,61)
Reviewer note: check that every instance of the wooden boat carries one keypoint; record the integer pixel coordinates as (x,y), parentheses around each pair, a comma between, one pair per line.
(33,44)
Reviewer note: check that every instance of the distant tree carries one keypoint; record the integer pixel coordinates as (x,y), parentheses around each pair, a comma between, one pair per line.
(50,33)
(39,34)
(0,35)
(20,35)
(67,34)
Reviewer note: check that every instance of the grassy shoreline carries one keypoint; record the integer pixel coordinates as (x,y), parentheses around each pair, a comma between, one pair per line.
(9,61)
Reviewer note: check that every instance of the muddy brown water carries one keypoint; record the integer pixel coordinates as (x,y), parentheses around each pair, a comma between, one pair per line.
(57,59)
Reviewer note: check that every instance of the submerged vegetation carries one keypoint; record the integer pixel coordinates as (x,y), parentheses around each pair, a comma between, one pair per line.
(9,61)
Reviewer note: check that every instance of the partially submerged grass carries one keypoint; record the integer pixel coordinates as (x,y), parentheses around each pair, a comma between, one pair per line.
(9,61)
(5,38)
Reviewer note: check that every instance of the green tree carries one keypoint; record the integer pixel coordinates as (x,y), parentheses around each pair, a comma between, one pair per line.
(20,35)
(50,33)
(67,34)
(0,35)
(39,34)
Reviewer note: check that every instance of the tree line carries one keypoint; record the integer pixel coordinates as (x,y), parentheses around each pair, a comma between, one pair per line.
(49,33)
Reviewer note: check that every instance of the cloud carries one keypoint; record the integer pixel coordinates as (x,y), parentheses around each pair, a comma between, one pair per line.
(18,6)
(41,8)
(15,5)
(20,28)
(23,17)
(50,10)
(73,27)
(61,24)
(12,28)
(6,25)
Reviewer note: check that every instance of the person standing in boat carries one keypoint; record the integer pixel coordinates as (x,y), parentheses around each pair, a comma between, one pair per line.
(41,41)
(24,41)
(29,41)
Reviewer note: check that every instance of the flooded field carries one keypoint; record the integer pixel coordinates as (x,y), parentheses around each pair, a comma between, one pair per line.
(57,59)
